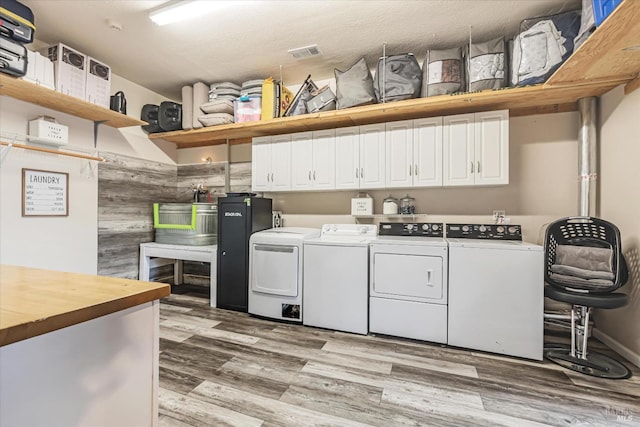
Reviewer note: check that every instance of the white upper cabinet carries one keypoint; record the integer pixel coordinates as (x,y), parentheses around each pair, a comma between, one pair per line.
(414,153)
(491,147)
(399,151)
(476,148)
(271,163)
(348,158)
(371,173)
(427,152)
(313,160)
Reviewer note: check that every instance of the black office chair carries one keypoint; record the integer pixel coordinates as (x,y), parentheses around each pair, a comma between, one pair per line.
(583,266)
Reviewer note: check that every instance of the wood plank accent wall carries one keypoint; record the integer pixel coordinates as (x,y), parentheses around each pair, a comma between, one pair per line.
(127,189)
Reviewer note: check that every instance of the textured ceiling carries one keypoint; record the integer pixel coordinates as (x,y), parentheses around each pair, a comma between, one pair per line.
(245,40)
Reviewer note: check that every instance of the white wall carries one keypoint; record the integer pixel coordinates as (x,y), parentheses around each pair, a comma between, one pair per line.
(62,243)
(620,204)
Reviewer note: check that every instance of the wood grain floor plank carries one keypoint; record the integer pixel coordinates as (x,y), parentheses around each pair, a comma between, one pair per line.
(173,334)
(177,381)
(209,332)
(275,411)
(278,335)
(189,320)
(464,414)
(403,359)
(197,412)
(174,308)
(320,355)
(167,421)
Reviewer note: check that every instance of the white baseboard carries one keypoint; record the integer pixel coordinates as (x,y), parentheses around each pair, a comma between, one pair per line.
(617,347)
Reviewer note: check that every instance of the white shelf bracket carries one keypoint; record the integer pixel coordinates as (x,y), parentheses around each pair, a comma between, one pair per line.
(5,151)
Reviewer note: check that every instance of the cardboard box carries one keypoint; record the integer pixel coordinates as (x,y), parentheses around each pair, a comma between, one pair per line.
(69,68)
(98,83)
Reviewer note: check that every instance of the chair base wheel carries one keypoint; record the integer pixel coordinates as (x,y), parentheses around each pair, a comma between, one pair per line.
(596,365)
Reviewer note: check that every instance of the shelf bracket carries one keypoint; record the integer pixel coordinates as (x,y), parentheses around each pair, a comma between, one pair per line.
(95,131)
(227,169)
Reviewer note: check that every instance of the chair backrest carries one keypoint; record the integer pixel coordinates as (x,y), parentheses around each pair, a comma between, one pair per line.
(590,232)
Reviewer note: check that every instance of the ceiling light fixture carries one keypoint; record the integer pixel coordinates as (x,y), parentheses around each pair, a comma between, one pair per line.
(181,10)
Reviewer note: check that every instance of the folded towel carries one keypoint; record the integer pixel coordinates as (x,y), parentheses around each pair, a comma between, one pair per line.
(585,257)
(578,283)
(581,273)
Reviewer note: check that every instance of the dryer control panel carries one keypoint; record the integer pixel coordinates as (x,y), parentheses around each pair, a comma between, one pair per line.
(484,231)
(421,229)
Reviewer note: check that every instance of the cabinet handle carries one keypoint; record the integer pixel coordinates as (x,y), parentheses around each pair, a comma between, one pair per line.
(357,173)
(309,175)
(429,278)
(314,175)
(471,167)
(268,177)
(415,170)
(361,173)
(409,170)
(478,168)
(271,176)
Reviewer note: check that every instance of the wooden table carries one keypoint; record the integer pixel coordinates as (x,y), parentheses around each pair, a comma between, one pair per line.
(76,349)
(154,254)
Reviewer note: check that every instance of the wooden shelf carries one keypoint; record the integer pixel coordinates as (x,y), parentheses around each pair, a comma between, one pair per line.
(39,95)
(602,56)
(599,65)
(520,101)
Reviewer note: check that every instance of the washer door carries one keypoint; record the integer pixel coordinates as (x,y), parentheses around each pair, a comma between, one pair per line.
(275,269)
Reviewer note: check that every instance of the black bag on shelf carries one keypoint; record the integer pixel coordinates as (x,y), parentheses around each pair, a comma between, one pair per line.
(149,114)
(170,116)
(13,57)
(16,21)
(354,86)
(398,77)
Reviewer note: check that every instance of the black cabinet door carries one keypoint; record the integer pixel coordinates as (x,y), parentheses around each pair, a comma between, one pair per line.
(233,251)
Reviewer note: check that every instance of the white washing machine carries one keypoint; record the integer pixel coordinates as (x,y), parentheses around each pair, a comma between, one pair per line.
(275,272)
(408,281)
(496,290)
(336,277)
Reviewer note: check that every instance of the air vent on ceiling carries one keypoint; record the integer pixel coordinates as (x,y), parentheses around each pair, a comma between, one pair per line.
(305,52)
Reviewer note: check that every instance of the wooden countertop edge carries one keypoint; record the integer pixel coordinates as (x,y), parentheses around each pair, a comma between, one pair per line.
(28,330)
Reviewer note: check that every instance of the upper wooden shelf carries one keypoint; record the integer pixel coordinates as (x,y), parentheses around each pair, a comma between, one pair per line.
(599,65)
(40,95)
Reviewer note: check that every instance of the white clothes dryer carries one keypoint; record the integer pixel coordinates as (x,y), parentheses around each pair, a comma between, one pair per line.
(408,282)
(275,272)
(336,277)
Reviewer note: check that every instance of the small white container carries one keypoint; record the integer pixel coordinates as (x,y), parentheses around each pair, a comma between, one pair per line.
(390,206)
(362,205)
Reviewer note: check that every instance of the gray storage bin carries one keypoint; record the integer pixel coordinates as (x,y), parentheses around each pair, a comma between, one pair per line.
(193,224)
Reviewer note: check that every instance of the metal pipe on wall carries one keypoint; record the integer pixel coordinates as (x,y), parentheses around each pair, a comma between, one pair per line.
(588,156)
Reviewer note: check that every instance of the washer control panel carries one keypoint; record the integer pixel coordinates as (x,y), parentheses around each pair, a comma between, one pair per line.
(485,231)
(422,229)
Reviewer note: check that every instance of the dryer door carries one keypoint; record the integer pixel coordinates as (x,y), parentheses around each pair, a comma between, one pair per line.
(408,277)
(275,269)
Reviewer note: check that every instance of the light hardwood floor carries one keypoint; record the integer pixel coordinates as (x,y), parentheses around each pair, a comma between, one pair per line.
(220,368)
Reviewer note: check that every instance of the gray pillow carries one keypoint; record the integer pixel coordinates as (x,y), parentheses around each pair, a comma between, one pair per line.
(354,86)
(486,65)
(442,72)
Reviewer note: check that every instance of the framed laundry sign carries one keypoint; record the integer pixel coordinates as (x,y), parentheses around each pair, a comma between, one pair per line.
(45,193)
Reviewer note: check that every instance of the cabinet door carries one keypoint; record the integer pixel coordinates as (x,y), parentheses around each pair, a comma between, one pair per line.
(427,152)
(492,147)
(281,163)
(347,157)
(324,154)
(301,161)
(261,163)
(399,150)
(372,152)
(458,159)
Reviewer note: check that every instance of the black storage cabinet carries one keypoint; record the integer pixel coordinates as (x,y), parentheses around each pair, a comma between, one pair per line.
(238,218)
